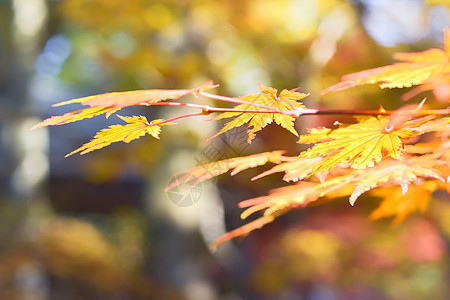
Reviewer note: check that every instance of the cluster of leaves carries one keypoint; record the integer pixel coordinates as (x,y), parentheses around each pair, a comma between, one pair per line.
(401,148)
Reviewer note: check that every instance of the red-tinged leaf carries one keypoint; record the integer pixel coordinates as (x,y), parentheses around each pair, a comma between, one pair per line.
(400,172)
(296,168)
(403,114)
(238,164)
(138,126)
(76,116)
(362,144)
(441,124)
(416,68)
(277,203)
(242,231)
(292,196)
(286,101)
(440,85)
(139,97)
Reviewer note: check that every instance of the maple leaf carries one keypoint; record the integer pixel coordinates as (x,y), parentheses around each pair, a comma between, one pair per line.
(278,202)
(398,204)
(138,126)
(112,102)
(441,124)
(295,168)
(76,116)
(204,172)
(287,100)
(401,172)
(138,97)
(242,231)
(416,68)
(362,144)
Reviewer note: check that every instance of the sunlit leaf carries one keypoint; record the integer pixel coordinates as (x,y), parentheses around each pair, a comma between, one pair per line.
(415,68)
(242,231)
(279,199)
(285,101)
(139,97)
(398,204)
(277,203)
(76,116)
(361,145)
(137,127)
(296,168)
(400,172)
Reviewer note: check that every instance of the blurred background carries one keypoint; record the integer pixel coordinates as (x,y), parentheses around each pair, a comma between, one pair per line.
(100,226)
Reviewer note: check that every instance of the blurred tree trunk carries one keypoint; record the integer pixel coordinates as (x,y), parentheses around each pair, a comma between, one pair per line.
(23,154)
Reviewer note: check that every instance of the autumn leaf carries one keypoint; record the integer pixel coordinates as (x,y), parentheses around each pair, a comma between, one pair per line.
(401,172)
(361,145)
(286,101)
(76,116)
(281,198)
(415,68)
(137,127)
(439,84)
(295,168)
(112,102)
(278,202)
(242,231)
(238,164)
(441,124)
(139,97)
(398,204)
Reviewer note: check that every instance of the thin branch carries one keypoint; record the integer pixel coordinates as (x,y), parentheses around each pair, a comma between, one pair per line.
(210,109)
(298,112)
(176,118)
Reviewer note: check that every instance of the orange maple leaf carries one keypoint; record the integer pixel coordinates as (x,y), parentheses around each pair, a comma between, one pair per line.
(285,101)
(396,203)
(137,127)
(430,67)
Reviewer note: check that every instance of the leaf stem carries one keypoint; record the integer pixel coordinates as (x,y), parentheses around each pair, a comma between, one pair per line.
(176,118)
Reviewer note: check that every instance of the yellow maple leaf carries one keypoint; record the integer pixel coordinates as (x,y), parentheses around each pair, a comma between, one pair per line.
(285,101)
(398,204)
(76,116)
(138,126)
(416,68)
(138,97)
(204,172)
(361,145)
